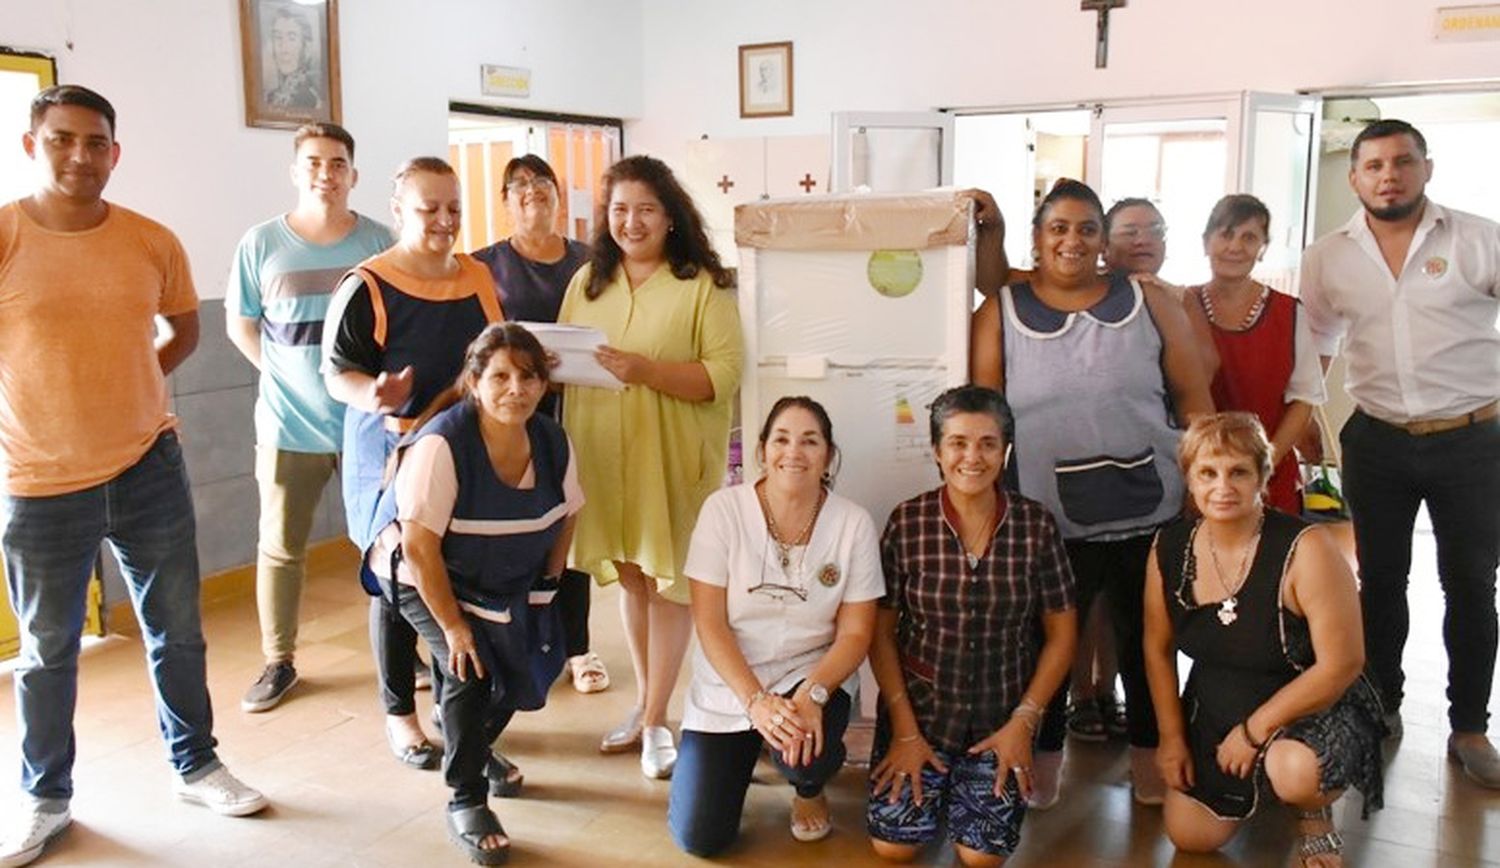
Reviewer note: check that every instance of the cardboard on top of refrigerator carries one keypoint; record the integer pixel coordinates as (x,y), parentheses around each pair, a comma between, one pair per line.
(855,221)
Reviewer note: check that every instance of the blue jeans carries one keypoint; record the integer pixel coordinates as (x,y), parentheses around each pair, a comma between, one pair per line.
(713,772)
(50,546)
(1388,474)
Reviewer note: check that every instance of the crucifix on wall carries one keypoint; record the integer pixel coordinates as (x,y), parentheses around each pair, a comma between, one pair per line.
(1101,29)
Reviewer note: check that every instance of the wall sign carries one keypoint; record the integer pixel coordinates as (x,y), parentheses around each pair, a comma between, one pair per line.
(1467,23)
(504,80)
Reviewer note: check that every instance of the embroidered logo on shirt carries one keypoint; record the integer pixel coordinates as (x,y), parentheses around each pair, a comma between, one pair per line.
(1437,266)
(829,575)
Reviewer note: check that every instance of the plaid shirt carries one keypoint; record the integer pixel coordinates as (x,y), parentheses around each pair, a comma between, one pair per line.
(969,637)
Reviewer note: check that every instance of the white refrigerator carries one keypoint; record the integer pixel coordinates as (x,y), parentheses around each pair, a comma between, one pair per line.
(861,302)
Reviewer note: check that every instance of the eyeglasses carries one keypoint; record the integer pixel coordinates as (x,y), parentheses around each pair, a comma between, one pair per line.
(539,183)
(774,590)
(1156,231)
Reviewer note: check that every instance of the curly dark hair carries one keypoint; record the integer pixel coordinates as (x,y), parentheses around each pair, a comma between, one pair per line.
(687,249)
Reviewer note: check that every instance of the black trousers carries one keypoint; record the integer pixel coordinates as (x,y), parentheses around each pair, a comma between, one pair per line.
(1388,474)
(573,606)
(468,729)
(1116,569)
(395,645)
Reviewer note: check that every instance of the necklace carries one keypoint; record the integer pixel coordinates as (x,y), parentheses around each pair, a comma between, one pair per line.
(1251,315)
(1228,606)
(784,549)
(987,531)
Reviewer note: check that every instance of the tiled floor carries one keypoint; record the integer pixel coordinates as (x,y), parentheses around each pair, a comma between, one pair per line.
(339,798)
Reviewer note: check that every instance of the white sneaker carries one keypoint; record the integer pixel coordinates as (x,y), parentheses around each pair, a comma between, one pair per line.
(222,793)
(30,832)
(658,753)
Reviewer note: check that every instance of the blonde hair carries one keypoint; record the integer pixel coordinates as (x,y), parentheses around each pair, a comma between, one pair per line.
(1234,433)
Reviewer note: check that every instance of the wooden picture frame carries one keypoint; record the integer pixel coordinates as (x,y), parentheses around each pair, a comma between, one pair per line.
(289,51)
(766,80)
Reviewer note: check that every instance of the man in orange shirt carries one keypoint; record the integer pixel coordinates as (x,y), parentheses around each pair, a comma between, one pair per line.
(88,453)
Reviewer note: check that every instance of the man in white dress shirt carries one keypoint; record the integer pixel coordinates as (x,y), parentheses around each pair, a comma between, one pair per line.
(1411,287)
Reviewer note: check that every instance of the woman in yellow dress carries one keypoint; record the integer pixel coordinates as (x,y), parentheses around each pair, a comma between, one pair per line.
(650,454)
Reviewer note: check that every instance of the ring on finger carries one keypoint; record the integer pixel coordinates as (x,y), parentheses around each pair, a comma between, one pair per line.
(777,719)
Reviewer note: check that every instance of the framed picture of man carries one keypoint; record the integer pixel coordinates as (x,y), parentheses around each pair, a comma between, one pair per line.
(766,80)
(290,53)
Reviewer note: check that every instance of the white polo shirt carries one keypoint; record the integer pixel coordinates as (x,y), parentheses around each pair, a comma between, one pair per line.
(1421,346)
(782,636)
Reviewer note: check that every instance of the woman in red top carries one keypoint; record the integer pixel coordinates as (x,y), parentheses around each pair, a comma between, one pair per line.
(1257,344)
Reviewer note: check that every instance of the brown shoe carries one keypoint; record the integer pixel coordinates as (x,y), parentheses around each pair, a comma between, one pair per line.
(1478,757)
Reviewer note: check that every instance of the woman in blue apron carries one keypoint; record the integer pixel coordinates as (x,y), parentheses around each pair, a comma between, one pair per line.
(393,341)
(474,534)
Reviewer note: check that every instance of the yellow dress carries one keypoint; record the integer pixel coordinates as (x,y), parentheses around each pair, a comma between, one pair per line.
(646,460)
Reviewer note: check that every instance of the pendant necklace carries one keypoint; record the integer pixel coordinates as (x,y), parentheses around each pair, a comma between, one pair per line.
(784,549)
(988,533)
(1227,607)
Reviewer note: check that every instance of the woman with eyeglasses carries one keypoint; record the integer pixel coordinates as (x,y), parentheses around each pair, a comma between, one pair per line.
(532,269)
(784,575)
(1102,373)
(964,671)
(1135,243)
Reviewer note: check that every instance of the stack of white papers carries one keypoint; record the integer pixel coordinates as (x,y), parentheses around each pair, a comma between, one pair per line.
(574,347)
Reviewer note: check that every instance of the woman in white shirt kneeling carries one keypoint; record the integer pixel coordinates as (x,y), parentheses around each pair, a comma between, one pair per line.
(785,575)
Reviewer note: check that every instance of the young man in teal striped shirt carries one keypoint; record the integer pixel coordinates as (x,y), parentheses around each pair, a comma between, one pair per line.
(284,273)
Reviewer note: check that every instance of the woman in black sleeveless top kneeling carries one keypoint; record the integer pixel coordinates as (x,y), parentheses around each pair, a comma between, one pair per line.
(1276,704)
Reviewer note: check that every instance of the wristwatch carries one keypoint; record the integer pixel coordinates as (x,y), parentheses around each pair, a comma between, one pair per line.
(818,694)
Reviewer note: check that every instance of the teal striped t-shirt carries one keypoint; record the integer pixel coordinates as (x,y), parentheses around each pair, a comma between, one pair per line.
(286,282)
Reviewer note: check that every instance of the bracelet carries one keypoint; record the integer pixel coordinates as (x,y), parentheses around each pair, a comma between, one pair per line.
(1029,707)
(1029,713)
(908,739)
(1245,729)
(755,697)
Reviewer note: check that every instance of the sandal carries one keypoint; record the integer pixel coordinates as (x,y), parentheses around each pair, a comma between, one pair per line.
(1325,843)
(1085,721)
(810,818)
(504,776)
(589,674)
(422,755)
(468,827)
(1112,712)
(626,737)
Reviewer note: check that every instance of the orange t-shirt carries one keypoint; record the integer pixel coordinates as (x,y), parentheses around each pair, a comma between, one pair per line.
(82,396)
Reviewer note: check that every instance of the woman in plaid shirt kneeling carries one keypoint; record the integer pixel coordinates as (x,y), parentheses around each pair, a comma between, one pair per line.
(969,570)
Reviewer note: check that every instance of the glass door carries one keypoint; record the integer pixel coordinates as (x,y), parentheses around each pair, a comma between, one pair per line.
(892,152)
(1277,165)
(1181,156)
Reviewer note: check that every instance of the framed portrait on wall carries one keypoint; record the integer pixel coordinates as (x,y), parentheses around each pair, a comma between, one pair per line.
(766,80)
(290,53)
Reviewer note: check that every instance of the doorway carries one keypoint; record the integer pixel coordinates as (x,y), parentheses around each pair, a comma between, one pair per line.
(22,76)
(481,140)
(1180,154)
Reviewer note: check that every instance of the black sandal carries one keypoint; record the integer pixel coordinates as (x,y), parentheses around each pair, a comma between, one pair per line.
(504,776)
(468,827)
